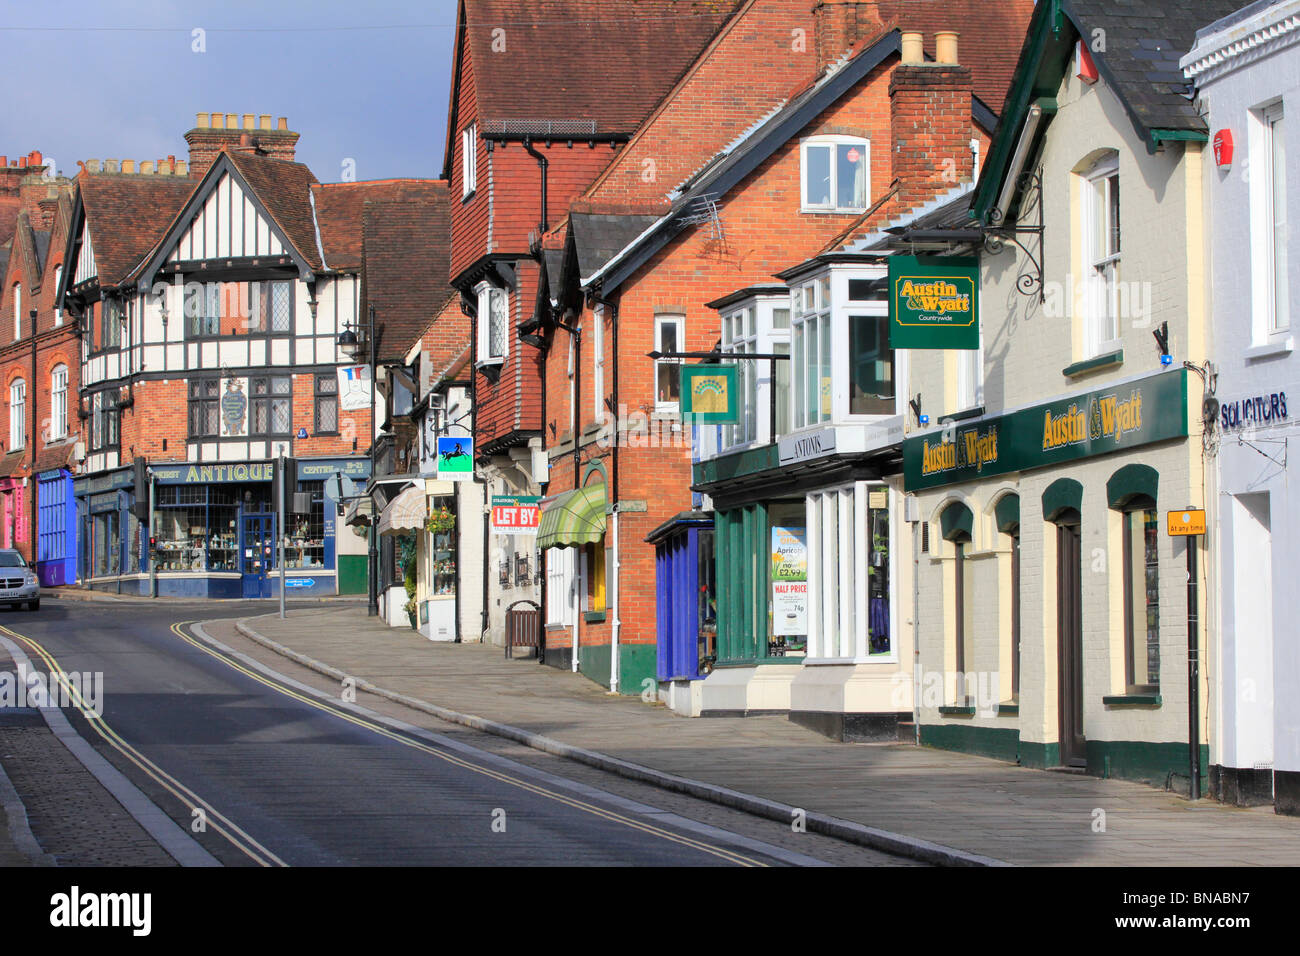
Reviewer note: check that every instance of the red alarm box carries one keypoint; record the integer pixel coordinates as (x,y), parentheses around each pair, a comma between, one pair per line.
(1223,148)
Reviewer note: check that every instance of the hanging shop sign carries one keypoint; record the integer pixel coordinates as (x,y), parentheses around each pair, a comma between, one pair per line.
(455,459)
(709,394)
(789,581)
(1095,423)
(354,387)
(934,302)
(516,514)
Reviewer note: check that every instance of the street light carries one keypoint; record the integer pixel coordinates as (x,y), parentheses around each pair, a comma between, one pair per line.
(354,348)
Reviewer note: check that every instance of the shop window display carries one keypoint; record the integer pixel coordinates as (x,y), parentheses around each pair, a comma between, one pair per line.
(306,547)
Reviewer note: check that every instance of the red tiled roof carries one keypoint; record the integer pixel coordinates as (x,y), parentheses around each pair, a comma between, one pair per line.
(340,208)
(128,214)
(9,206)
(406,266)
(602,61)
(55,456)
(284,187)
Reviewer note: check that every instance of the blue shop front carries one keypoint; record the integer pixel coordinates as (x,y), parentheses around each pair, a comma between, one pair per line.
(56,540)
(213,530)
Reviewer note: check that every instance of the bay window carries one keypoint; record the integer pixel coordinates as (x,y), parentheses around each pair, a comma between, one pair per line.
(493,324)
(843,364)
(758,326)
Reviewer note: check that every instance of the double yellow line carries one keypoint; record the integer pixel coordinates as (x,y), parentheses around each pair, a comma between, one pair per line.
(265,857)
(213,817)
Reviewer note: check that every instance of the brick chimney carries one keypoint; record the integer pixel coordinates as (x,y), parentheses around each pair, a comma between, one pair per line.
(930,120)
(214,132)
(839,24)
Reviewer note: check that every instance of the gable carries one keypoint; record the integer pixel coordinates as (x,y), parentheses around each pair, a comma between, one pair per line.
(227,225)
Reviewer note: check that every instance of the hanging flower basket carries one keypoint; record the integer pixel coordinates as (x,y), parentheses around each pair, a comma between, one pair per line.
(441,521)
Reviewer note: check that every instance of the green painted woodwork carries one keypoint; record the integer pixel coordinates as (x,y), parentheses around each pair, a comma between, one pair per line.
(636,664)
(1062,495)
(956,522)
(352,574)
(1151,763)
(1041,756)
(1109,360)
(1119,417)
(999,742)
(1136,700)
(737,465)
(743,569)
(1130,482)
(1007,513)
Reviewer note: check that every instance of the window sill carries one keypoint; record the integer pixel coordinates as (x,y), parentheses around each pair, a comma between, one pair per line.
(594,617)
(488,363)
(976,412)
(1132,700)
(826,211)
(1280,346)
(1095,364)
(1009,710)
(963,711)
(466,197)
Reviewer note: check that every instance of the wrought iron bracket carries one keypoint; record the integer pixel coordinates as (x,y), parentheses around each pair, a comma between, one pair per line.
(1026,234)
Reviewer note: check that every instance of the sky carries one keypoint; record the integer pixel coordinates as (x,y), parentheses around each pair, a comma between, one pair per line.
(364,83)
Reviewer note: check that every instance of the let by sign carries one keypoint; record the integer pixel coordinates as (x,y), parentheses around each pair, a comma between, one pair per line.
(934,302)
(515,514)
(1189,521)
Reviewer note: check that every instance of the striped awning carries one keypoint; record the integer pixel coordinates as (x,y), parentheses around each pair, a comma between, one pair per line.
(573,518)
(408,511)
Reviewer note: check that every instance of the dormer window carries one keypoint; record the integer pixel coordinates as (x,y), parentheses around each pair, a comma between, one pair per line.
(836,173)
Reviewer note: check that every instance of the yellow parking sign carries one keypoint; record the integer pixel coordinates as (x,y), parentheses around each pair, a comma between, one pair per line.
(1187,521)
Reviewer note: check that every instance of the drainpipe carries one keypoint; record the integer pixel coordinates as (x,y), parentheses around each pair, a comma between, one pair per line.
(616,624)
(31,492)
(542,165)
(916,627)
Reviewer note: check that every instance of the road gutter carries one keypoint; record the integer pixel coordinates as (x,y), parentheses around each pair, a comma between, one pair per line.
(846,830)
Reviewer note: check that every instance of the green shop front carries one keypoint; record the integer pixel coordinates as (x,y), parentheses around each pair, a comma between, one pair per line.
(1053,612)
(805,577)
(211,529)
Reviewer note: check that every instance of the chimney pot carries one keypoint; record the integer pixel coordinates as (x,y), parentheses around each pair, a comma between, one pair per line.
(248,121)
(913,53)
(182,168)
(110,165)
(128,165)
(146,167)
(264,120)
(202,120)
(945,47)
(4,160)
(282,123)
(22,162)
(245,140)
(232,121)
(218,120)
(37,157)
(92,165)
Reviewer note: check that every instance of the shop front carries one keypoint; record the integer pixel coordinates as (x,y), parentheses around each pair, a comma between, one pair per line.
(56,555)
(13,512)
(1052,602)
(806,571)
(686,606)
(213,531)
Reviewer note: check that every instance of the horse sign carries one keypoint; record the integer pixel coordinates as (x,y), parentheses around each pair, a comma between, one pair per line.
(456,458)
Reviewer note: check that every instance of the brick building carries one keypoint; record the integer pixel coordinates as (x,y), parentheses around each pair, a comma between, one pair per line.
(210,302)
(39,359)
(756,178)
(529,128)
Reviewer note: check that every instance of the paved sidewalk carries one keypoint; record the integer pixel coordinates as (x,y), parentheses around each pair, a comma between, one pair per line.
(983,806)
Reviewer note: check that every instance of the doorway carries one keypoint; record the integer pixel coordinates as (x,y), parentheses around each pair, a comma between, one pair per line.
(1069,629)
(258,551)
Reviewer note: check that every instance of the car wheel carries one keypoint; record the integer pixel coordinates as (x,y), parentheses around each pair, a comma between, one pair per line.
(34,605)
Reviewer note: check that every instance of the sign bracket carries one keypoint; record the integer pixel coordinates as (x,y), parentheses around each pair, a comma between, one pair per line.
(997,235)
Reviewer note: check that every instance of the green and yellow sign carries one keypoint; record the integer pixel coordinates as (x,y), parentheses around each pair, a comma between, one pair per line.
(1123,416)
(709,394)
(934,302)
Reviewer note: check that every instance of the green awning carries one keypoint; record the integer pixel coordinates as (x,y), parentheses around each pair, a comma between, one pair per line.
(573,518)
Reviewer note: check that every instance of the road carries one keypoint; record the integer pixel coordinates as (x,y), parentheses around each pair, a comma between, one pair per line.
(276,774)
